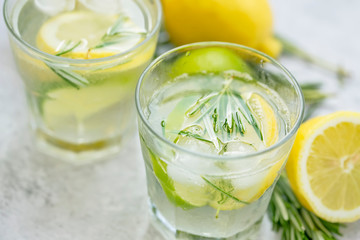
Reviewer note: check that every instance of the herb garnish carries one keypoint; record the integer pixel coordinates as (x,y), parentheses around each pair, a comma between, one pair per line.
(297,223)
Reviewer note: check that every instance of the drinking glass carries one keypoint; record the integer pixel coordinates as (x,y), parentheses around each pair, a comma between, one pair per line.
(185,186)
(80,109)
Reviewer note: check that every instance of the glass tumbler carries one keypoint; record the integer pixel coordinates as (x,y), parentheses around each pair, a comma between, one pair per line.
(80,109)
(195,193)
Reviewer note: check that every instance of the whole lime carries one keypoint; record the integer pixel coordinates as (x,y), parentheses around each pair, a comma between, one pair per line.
(206,60)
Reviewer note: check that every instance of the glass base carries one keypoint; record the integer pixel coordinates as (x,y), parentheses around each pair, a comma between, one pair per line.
(171,233)
(78,154)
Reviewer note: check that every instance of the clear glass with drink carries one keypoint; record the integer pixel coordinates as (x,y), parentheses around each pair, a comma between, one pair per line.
(216,124)
(80,61)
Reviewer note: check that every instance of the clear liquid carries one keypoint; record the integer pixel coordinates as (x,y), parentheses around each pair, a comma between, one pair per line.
(97,115)
(219,113)
(204,197)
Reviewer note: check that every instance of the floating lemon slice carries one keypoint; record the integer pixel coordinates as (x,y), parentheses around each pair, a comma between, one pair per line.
(83,32)
(70,102)
(324,166)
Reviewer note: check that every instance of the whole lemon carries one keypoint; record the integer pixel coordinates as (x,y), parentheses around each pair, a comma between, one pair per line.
(246,22)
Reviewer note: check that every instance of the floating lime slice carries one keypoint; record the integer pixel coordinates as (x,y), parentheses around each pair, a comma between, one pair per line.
(175,120)
(160,171)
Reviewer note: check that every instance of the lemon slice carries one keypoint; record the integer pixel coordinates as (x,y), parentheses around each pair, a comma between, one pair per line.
(80,105)
(266,117)
(324,166)
(85,30)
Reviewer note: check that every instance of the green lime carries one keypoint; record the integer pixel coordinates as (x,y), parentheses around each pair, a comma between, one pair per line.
(213,59)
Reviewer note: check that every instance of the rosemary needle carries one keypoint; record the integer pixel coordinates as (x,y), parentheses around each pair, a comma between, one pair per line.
(114,35)
(223,192)
(297,222)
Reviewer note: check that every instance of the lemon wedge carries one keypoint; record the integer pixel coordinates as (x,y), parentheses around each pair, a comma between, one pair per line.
(324,166)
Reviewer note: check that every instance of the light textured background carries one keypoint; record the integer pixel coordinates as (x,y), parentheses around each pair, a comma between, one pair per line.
(41,198)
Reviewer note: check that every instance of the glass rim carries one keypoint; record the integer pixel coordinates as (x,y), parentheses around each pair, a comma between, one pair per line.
(279,143)
(82,61)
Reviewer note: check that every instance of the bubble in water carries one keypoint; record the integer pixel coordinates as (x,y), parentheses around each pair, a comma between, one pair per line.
(53,7)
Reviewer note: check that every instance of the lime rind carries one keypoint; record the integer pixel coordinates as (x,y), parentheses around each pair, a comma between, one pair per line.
(167,184)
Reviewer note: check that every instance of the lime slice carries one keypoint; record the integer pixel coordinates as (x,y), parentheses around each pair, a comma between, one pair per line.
(195,195)
(174,122)
(160,171)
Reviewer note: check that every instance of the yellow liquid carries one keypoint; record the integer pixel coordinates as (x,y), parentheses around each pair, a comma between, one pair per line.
(90,116)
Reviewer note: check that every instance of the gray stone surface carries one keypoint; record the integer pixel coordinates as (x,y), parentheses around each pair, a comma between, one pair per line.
(41,198)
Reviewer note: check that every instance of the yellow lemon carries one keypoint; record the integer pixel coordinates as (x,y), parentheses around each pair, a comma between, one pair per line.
(246,22)
(324,166)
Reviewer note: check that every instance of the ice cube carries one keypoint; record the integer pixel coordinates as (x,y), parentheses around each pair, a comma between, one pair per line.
(53,7)
(183,175)
(196,145)
(238,147)
(254,180)
(104,6)
(192,138)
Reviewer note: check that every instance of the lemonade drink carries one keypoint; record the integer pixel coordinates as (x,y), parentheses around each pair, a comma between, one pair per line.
(80,61)
(215,133)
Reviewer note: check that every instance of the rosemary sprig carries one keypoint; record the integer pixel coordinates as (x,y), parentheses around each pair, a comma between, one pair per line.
(224,112)
(290,49)
(245,110)
(74,79)
(223,191)
(115,38)
(193,135)
(297,223)
(314,96)
(116,33)
(71,77)
(68,46)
